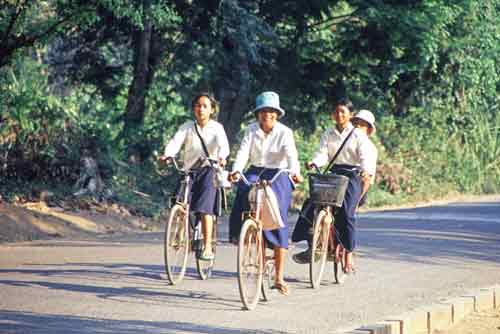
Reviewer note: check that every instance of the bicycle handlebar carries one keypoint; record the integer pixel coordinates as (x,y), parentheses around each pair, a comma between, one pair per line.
(213,164)
(269,182)
(318,170)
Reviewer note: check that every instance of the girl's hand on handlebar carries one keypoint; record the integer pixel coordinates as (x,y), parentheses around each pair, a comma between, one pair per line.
(297,178)
(233,177)
(310,165)
(165,159)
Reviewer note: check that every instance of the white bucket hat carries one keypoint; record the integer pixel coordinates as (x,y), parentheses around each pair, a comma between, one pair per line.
(268,100)
(368,117)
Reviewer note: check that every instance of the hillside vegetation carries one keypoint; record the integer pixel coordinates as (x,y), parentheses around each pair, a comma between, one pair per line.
(90,89)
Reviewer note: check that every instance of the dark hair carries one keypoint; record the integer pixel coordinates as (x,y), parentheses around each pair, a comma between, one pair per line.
(213,101)
(344,101)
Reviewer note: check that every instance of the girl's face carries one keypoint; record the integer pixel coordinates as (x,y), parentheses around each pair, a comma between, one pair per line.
(267,117)
(202,110)
(362,125)
(342,116)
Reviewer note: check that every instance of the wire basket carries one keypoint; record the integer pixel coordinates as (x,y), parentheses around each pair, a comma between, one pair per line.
(328,189)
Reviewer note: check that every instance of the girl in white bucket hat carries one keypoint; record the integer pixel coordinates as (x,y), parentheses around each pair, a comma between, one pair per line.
(365,121)
(267,147)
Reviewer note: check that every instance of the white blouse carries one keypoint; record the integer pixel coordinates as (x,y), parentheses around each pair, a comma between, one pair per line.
(275,150)
(213,135)
(358,150)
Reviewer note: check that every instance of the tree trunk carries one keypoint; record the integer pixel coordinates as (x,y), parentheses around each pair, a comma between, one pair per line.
(136,103)
(233,89)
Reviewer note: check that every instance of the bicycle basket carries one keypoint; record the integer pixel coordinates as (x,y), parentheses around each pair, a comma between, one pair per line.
(327,189)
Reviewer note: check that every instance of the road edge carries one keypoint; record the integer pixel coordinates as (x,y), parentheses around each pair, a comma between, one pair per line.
(435,317)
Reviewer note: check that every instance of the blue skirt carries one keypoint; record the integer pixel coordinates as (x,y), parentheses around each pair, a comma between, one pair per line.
(282,188)
(202,191)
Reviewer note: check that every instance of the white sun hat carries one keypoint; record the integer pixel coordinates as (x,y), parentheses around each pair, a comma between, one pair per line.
(368,117)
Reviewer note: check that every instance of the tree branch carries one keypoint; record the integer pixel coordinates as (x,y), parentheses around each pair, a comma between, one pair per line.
(13,20)
(334,18)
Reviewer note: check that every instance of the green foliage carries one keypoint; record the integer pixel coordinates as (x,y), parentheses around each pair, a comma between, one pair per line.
(428,69)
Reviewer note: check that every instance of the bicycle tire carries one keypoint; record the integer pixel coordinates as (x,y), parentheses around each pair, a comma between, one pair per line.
(176,244)
(205,268)
(319,249)
(250,264)
(268,281)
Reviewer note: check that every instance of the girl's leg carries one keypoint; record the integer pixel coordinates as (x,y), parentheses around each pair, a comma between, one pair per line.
(279,258)
(207,228)
(279,280)
(349,262)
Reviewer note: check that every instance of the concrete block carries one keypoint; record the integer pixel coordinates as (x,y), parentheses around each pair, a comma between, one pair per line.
(440,317)
(413,322)
(496,296)
(462,306)
(483,300)
(377,329)
(392,327)
(396,325)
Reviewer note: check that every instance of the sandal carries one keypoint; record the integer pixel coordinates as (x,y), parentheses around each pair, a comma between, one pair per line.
(205,256)
(348,265)
(349,270)
(282,287)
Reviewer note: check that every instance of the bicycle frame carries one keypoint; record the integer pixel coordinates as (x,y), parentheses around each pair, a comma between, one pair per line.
(259,196)
(265,264)
(192,243)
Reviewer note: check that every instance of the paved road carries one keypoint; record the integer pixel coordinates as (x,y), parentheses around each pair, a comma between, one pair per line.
(407,258)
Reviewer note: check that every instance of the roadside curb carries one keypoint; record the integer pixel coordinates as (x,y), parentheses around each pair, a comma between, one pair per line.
(436,317)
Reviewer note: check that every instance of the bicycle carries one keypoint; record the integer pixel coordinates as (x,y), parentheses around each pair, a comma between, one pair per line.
(256,269)
(181,237)
(327,194)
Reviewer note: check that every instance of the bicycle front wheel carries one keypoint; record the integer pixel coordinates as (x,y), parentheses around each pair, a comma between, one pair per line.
(205,268)
(268,279)
(176,244)
(319,249)
(249,264)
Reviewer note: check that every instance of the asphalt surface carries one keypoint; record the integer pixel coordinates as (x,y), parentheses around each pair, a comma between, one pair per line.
(406,259)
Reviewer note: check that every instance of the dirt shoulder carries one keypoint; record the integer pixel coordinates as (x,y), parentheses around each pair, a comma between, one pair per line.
(33,221)
(484,322)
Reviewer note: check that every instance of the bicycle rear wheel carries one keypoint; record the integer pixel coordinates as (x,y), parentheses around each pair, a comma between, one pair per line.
(205,268)
(319,249)
(250,264)
(176,244)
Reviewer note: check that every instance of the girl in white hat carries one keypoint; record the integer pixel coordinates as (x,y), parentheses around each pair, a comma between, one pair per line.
(365,121)
(267,147)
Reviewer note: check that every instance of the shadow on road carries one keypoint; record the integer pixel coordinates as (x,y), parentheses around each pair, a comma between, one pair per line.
(36,323)
(140,283)
(452,233)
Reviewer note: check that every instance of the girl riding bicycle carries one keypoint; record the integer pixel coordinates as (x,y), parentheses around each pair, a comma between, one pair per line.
(357,160)
(268,146)
(202,134)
